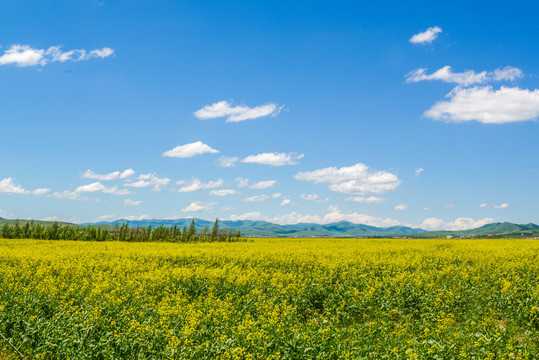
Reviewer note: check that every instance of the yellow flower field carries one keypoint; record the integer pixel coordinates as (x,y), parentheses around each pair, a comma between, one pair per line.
(271,299)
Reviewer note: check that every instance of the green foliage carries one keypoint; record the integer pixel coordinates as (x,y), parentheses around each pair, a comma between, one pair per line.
(160,233)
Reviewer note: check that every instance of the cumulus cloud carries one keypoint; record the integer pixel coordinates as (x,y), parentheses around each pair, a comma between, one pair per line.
(116,175)
(261,198)
(149,179)
(357,179)
(286,202)
(237,113)
(401,207)
(95,187)
(136,217)
(190,150)
(223,192)
(501,206)
(98,187)
(7,186)
(483,205)
(196,185)
(507,73)
(246,216)
(129,202)
(488,106)
(72,219)
(227,161)
(25,55)
(465,78)
(309,196)
(419,171)
(459,224)
(199,206)
(264,184)
(366,200)
(334,215)
(427,36)
(273,159)
(107,217)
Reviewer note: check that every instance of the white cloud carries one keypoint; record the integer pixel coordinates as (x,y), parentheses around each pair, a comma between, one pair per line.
(273,159)
(487,106)
(105,218)
(444,74)
(355,179)
(56,54)
(236,113)
(223,192)
(465,78)
(419,171)
(66,194)
(198,206)
(89,174)
(427,36)
(7,186)
(149,179)
(507,73)
(263,184)
(71,219)
(98,187)
(196,185)
(309,196)
(459,224)
(366,200)
(501,206)
(246,216)
(40,191)
(286,202)
(129,202)
(228,208)
(257,198)
(25,55)
(190,150)
(401,207)
(4,214)
(242,183)
(95,187)
(227,161)
(263,197)
(136,217)
(483,205)
(335,216)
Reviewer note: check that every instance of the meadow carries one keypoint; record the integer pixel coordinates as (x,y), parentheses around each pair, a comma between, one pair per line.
(270,299)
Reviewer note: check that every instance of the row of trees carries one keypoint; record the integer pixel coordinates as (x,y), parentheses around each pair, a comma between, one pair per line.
(161,233)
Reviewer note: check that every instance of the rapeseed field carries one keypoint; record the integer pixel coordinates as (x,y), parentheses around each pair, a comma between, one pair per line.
(271,299)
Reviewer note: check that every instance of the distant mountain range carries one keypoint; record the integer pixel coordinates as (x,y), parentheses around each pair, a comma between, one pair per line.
(338,229)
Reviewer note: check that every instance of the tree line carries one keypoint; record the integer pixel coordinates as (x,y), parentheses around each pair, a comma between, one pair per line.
(160,233)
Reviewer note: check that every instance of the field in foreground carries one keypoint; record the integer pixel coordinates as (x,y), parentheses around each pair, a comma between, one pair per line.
(271,299)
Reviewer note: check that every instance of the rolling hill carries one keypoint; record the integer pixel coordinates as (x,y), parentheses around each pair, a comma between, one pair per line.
(337,229)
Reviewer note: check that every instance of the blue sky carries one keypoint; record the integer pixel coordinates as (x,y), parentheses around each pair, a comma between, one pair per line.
(383,113)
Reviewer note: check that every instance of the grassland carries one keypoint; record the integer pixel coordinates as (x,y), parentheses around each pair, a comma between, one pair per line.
(271,299)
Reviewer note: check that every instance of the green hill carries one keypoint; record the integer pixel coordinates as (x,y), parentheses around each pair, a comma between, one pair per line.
(24,221)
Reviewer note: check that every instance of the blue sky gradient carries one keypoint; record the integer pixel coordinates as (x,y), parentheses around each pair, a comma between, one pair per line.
(339,78)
